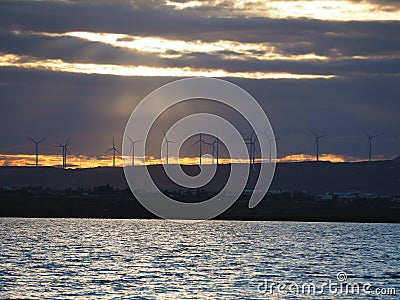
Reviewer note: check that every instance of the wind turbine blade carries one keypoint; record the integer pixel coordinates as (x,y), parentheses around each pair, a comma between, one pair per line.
(31,139)
(374,136)
(313,133)
(366,133)
(66,149)
(41,140)
(130,139)
(255,136)
(196,143)
(111,149)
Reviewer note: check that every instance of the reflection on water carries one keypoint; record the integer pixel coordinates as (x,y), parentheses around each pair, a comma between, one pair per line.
(65,258)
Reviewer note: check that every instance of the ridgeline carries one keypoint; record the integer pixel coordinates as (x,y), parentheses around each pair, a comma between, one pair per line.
(380,177)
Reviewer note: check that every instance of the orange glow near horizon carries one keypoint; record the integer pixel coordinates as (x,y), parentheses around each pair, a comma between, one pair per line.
(86,161)
(335,158)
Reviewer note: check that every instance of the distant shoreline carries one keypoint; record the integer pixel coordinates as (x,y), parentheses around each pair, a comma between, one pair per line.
(310,191)
(124,206)
(378,177)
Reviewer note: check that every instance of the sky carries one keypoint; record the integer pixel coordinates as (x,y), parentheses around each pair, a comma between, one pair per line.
(78,69)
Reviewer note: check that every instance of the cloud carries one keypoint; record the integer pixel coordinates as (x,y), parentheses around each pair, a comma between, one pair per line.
(344,44)
(368,55)
(93,108)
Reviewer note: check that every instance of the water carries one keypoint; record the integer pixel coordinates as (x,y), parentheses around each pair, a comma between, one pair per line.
(138,259)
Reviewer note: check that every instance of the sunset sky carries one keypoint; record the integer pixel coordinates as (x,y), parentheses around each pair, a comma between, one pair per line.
(78,69)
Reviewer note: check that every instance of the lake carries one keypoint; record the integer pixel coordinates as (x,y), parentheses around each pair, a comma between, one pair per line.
(153,259)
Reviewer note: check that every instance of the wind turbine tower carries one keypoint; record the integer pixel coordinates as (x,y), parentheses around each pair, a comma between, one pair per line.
(270,147)
(250,141)
(370,137)
(36,148)
(133,150)
(316,143)
(166,143)
(114,152)
(64,152)
(200,141)
(215,149)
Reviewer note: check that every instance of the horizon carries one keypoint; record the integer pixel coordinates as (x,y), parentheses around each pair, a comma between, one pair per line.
(89,162)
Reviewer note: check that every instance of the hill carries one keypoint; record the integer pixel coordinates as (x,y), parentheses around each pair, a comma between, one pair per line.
(380,177)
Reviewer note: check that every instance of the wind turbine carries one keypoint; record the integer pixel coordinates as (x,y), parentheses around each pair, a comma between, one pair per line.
(114,151)
(63,156)
(200,141)
(370,137)
(215,148)
(317,137)
(36,148)
(270,146)
(166,143)
(251,142)
(64,152)
(133,149)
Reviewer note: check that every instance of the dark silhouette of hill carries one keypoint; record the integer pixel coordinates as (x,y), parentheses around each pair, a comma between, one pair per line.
(380,177)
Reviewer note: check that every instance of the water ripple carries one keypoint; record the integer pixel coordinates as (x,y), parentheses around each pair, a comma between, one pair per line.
(149,259)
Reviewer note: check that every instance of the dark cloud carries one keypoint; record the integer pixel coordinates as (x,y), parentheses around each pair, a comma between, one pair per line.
(162,21)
